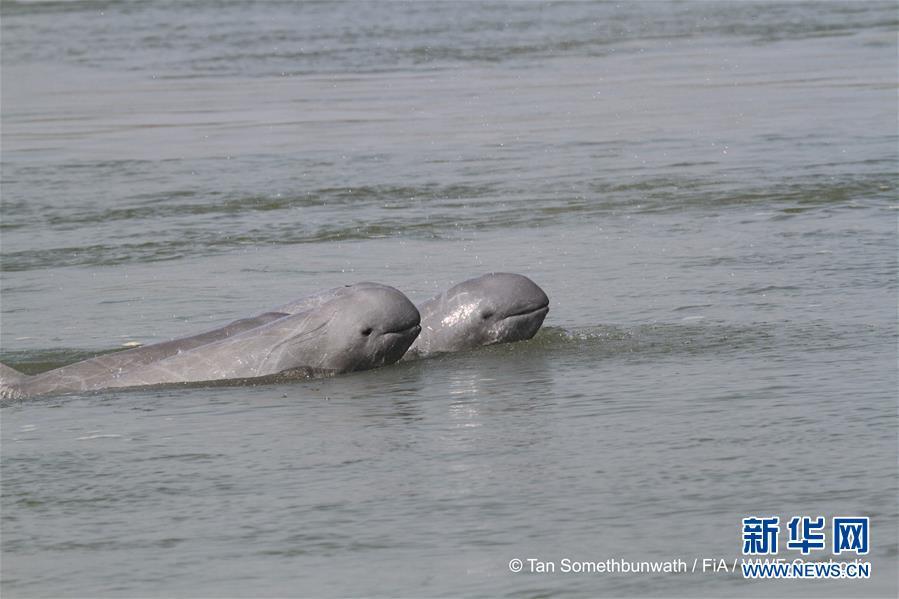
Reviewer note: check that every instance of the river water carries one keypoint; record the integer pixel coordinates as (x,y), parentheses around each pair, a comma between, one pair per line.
(706,191)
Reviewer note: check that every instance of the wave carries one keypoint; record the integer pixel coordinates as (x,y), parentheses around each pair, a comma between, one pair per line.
(169,226)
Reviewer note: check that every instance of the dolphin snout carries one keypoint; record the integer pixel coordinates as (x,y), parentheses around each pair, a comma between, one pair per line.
(414,330)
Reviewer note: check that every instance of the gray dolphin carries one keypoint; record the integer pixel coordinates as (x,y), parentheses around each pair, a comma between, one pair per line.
(497,307)
(494,308)
(355,327)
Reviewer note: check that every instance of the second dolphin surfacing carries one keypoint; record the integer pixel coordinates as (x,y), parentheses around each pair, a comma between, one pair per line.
(494,308)
(356,327)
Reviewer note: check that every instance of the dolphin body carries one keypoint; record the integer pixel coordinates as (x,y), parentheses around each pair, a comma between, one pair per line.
(494,308)
(355,327)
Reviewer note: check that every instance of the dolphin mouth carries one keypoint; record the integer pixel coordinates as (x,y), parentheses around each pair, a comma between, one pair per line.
(415,329)
(540,310)
(399,342)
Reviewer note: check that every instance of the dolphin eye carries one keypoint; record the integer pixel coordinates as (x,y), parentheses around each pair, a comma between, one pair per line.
(367,331)
(486,314)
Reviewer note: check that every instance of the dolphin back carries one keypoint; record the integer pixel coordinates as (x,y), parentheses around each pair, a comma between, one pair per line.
(9,378)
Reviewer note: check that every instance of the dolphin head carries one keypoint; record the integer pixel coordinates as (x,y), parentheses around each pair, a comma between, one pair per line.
(317,300)
(368,326)
(493,308)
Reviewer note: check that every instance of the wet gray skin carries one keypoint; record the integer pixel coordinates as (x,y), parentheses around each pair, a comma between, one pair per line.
(356,327)
(493,308)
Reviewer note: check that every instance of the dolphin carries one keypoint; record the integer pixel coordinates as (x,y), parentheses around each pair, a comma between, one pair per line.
(355,327)
(496,307)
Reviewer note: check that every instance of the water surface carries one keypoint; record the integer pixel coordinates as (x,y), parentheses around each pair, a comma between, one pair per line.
(706,191)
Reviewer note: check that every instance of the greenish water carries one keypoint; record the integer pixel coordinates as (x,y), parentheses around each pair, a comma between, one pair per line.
(706,191)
